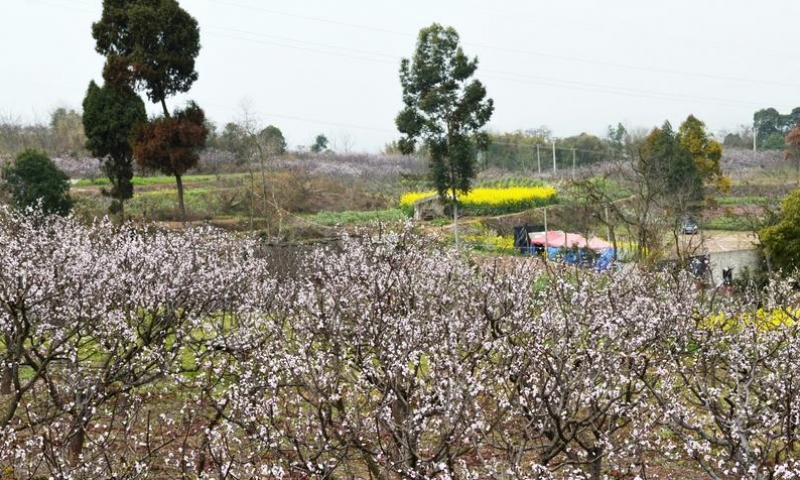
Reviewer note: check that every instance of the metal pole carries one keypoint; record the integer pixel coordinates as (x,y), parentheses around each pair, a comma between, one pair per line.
(554,157)
(573,164)
(538,159)
(545,234)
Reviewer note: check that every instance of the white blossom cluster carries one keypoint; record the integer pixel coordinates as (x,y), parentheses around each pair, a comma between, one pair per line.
(129,353)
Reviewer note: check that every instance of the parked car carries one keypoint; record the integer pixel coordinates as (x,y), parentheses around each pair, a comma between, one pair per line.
(690,227)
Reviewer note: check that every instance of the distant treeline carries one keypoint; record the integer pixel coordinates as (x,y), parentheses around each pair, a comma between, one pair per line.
(63,136)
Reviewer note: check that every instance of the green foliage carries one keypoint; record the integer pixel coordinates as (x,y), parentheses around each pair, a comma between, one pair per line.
(616,138)
(705,152)
(391,148)
(67,133)
(532,149)
(109,118)
(771,127)
(782,241)
(588,149)
(774,142)
(32,178)
(149,45)
(670,170)
(233,139)
(483,210)
(320,144)
(609,187)
(737,140)
(444,109)
(518,150)
(62,136)
(767,122)
(271,141)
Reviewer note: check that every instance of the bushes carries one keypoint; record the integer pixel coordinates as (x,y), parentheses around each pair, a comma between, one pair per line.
(34,178)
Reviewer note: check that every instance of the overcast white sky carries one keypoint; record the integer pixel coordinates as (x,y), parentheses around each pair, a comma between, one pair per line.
(331,67)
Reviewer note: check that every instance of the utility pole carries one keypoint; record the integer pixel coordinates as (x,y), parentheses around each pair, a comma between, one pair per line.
(538,160)
(573,164)
(554,157)
(546,246)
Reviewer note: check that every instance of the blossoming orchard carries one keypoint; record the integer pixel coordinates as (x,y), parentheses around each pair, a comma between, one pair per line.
(133,353)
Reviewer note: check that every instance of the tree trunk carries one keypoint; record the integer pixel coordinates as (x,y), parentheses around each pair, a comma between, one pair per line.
(5,380)
(75,447)
(7,371)
(454,193)
(205,442)
(181,206)
(455,220)
(596,463)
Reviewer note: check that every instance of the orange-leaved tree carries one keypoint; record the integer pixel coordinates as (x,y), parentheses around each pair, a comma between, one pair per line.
(170,144)
(793,148)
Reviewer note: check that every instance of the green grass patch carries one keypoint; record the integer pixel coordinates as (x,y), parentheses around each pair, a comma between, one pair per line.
(491,243)
(356,217)
(739,224)
(742,200)
(145,181)
(205,202)
(510,182)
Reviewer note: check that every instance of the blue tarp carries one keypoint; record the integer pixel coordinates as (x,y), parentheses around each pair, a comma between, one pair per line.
(601,259)
(604,259)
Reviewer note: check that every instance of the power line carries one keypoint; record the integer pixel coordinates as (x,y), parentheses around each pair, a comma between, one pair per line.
(59,5)
(512,50)
(365,55)
(622,91)
(306,119)
(492,74)
(533,146)
(311,18)
(306,49)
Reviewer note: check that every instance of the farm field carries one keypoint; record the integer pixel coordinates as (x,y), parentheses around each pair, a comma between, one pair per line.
(315,194)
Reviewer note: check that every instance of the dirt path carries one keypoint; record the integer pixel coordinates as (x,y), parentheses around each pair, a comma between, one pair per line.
(713,241)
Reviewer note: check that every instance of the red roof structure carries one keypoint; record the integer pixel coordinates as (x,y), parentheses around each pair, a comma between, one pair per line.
(596,244)
(557,239)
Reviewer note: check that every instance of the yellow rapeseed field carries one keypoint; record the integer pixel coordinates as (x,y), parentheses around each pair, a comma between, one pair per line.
(490,196)
(763,319)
